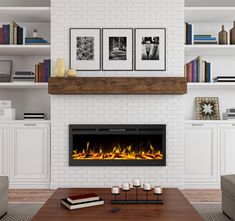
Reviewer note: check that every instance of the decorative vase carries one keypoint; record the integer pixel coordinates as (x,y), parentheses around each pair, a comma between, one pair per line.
(60,67)
(71,73)
(223,37)
(232,35)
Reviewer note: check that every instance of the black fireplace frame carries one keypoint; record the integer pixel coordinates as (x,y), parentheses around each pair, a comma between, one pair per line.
(117,129)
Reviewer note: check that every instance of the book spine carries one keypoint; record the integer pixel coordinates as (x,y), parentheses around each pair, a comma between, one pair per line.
(6,34)
(206,72)
(190,72)
(47,64)
(209,71)
(1,30)
(24,35)
(194,71)
(189,34)
(41,73)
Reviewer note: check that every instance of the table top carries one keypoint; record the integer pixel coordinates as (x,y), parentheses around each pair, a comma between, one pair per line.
(176,207)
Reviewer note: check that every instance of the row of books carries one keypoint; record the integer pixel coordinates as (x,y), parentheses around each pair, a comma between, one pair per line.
(191,39)
(13,34)
(82,201)
(229,114)
(43,71)
(198,70)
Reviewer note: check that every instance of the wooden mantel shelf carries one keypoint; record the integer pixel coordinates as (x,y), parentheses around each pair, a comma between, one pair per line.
(117,85)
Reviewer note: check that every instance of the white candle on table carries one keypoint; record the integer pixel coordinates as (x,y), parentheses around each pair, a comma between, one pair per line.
(136,182)
(115,190)
(157,190)
(126,186)
(147,186)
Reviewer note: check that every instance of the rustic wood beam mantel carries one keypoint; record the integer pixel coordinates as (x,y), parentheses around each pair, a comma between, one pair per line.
(117,85)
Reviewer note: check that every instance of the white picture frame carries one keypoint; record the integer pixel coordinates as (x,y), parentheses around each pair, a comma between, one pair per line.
(150,49)
(117,49)
(85,49)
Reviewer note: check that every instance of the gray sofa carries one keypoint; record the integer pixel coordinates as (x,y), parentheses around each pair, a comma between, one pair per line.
(3,195)
(228,195)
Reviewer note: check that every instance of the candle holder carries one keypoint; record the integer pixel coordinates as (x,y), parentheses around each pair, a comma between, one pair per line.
(125,191)
(147,194)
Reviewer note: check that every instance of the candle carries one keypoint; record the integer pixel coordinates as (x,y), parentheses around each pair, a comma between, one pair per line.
(115,190)
(126,186)
(136,182)
(157,190)
(147,186)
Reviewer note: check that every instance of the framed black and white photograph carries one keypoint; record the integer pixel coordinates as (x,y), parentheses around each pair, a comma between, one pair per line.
(150,49)
(85,49)
(118,49)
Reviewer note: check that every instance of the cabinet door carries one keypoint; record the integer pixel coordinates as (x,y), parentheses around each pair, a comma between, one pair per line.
(201,154)
(29,153)
(227,142)
(4,147)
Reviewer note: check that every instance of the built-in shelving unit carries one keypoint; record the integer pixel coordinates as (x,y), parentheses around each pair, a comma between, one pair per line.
(26,96)
(208,16)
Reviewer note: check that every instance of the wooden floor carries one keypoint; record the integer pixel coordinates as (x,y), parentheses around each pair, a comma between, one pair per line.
(43,195)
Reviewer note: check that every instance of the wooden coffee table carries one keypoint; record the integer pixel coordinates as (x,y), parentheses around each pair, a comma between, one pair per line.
(175,208)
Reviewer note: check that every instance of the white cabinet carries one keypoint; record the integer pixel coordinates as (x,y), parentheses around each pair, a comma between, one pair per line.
(30,154)
(4,147)
(202,164)
(227,143)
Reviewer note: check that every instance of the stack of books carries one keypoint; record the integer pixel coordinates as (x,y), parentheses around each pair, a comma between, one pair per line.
(36,41)
(12,34)
(229,114)
(82,201)
(198,70)
(225,79)
(189,33)
(35,116)
(24,76)
(204,39)
(43,71)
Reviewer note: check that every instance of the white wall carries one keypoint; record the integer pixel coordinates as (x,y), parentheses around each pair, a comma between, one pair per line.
(124,109)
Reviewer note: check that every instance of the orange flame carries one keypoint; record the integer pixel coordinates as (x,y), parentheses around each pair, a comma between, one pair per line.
(118,153)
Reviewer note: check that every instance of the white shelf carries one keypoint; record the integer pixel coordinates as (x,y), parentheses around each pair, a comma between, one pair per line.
(216,50)
(23,85)
(220,85)
(209,121)
(209,14)
(25,50)
(25,14)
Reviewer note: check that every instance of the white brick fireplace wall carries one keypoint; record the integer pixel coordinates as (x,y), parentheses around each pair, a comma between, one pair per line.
(124,109)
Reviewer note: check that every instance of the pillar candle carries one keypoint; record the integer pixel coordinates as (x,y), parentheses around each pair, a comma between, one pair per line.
(126,186)
(147,186)
(136,182)
(157,190)
(115,190)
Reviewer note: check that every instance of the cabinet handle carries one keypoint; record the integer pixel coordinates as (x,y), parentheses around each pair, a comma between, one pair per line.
(197,124)
(28,125)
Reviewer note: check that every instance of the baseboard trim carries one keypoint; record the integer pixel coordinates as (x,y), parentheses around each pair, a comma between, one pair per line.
(29,186)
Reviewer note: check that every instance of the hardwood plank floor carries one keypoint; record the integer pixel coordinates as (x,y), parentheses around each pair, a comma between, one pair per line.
(44,195)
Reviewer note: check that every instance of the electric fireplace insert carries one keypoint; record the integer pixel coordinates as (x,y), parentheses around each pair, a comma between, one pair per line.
(117,145)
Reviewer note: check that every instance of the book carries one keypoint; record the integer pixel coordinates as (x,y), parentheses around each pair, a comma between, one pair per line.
(46,66)
(194,71)
(6,34)
(40,72)
(1,35)
(83,198)
(71,206)
(19,40)
(13,25)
